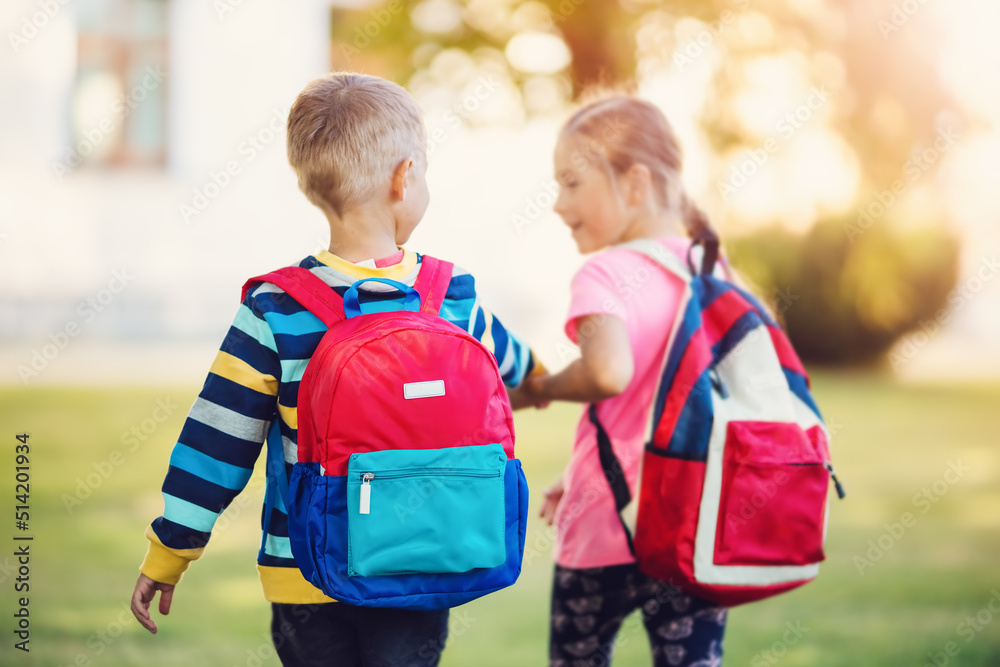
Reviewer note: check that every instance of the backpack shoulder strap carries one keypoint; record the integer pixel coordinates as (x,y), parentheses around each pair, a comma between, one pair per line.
(276,462)
(661,255)
(432,283)
(306,288)
(671,262)
(320,299)
(613,472)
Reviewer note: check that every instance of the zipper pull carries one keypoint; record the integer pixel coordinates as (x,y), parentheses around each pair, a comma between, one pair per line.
(836,482)
(720,387)
(366,493)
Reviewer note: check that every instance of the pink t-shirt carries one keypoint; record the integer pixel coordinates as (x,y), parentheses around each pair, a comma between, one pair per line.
(618,283)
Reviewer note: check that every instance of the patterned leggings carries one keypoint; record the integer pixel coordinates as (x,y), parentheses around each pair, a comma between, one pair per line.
(589,606)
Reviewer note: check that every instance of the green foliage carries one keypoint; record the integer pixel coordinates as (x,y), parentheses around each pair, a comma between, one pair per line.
(846,294)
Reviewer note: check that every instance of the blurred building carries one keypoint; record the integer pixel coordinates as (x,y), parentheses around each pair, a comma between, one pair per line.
(143,177)
(132,132)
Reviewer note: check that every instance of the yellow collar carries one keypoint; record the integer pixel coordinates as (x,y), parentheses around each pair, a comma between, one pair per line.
(394,272)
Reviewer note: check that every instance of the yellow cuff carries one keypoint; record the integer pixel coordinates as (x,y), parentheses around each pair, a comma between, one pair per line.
(286,585)
(164,564)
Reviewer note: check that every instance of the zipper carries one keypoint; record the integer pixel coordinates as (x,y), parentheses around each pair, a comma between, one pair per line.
(836,482)
(833,476)
(423,472)
(366,492)
(717,383)
(368,477)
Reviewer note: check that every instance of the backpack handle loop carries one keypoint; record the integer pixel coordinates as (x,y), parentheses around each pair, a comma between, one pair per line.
(353,308)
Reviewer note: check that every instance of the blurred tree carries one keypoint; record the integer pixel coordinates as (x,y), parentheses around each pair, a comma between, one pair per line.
(846,300)
(877,64)
(880,67)
(403,35)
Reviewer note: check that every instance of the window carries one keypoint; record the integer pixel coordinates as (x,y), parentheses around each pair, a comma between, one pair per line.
(118,108)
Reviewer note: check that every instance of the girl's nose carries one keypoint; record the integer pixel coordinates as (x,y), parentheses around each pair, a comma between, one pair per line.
(560,206)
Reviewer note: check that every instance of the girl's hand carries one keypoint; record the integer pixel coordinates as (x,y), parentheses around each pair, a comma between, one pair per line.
(553,495)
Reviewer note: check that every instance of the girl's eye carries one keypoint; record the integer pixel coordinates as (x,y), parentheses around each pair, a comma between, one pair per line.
(569,185)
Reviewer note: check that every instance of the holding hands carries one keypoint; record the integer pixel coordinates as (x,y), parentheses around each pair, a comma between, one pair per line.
(530,394)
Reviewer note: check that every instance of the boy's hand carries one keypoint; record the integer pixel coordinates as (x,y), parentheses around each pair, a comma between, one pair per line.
(145,590)
(529,394)
(553,495)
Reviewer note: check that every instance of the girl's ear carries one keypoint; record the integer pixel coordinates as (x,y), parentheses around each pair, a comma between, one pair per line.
(639,185)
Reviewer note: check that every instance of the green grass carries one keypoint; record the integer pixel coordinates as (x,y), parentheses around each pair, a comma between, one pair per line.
(890,442)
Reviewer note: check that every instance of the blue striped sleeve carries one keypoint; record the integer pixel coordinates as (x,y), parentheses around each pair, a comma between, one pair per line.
(254,327)
(204,466)
(462,308)
(222,437)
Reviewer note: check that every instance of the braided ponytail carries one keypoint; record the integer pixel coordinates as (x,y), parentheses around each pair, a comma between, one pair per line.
(695,220)
(700,230)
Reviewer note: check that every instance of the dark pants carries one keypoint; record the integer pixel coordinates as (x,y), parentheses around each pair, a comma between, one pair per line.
(589,606)
(324,635)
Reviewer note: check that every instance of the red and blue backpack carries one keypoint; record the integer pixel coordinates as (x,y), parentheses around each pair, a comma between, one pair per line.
(406,492)
(733,491)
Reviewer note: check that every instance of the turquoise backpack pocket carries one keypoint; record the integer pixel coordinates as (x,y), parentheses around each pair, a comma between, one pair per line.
(426,510)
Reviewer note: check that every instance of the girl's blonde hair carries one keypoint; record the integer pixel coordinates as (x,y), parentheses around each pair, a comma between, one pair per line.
(622,130)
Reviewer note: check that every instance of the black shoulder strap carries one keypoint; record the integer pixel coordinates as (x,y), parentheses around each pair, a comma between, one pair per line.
(613,471)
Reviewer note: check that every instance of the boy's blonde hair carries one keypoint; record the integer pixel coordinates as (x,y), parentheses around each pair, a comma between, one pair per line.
(346,133)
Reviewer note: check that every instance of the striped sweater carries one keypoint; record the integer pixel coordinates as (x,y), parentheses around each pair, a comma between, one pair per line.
(250,397)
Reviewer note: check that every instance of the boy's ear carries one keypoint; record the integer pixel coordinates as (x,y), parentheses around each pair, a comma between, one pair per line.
(400,179)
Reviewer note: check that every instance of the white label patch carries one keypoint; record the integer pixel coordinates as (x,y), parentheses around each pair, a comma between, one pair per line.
(423,389)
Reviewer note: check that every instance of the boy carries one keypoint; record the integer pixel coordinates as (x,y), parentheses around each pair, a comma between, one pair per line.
(357,145)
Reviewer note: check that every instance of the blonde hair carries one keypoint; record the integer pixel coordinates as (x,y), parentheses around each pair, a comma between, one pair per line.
(621,131)
(346,134)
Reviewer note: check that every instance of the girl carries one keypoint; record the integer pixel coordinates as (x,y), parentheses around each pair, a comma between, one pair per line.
(618,165)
